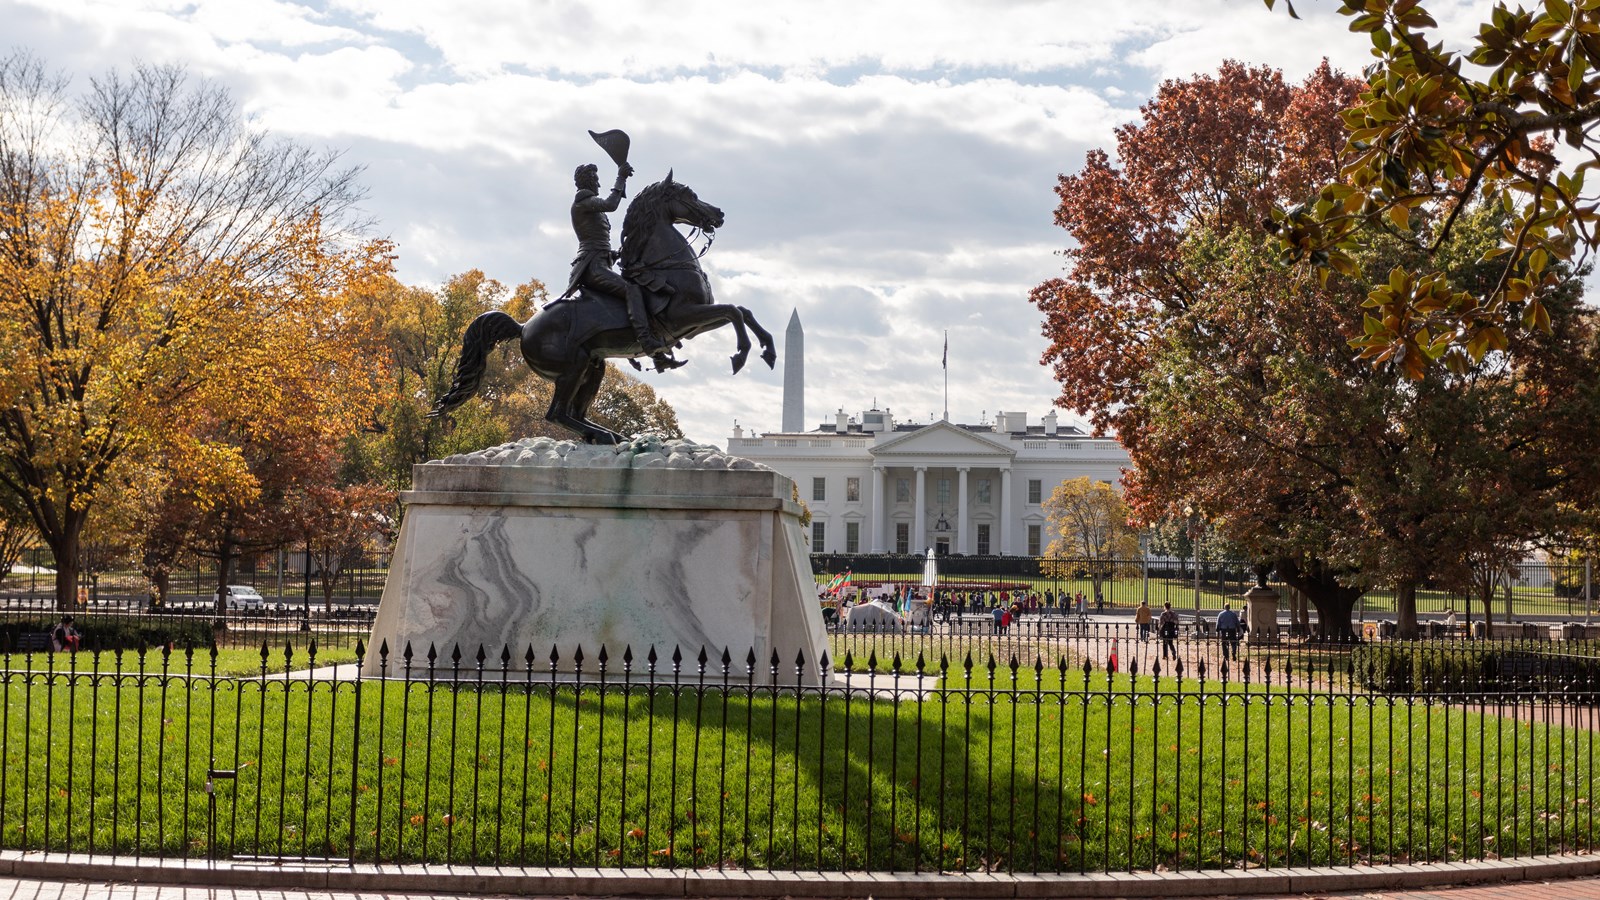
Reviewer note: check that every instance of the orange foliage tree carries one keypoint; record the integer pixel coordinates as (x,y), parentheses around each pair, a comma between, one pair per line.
(1227,372)
(162,264)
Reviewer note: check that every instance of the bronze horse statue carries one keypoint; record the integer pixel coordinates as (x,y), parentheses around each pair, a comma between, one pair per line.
(569,341)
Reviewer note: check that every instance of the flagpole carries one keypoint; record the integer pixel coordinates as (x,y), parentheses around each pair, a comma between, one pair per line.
(946,364)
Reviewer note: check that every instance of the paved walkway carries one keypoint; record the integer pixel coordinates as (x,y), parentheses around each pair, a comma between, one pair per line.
(32,889)
(55,876)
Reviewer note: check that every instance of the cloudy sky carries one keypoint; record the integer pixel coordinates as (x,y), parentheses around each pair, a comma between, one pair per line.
(886,168)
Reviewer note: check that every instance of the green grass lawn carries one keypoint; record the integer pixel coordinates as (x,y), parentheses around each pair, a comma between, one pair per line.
(1045,773)
(229,662)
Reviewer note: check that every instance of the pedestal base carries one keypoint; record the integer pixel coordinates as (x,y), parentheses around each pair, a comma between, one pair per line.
(543,545)
(1261,605)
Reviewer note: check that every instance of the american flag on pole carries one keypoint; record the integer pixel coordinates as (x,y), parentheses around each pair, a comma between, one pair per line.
(945,360)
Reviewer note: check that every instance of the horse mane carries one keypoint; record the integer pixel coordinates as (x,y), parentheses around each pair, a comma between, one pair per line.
(643,211)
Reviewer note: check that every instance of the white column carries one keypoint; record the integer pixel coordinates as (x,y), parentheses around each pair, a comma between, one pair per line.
(919,525)
(961,511)
(875,512)
(1005,512)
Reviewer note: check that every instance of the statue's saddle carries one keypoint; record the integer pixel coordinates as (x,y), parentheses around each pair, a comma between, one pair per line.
(597,311)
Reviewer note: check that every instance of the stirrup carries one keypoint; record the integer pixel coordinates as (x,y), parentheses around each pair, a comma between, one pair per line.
(665,361)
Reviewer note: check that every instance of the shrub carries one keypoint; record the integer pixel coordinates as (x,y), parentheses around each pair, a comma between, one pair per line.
(1402,668)
(105,632)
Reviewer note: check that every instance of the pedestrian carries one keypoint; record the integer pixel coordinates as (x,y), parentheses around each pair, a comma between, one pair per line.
(64,637)
(1168,624)
(999,617)
(1099,601)
(1141,618)
(1228,632)
(1083,607)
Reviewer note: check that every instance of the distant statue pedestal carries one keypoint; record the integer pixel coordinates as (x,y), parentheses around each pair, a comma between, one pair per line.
(656,544)
(1261,607)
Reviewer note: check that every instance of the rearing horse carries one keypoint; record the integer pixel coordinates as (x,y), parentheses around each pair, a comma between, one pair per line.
(569,341)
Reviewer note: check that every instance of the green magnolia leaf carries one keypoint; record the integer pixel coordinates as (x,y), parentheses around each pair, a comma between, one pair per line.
(1543,30)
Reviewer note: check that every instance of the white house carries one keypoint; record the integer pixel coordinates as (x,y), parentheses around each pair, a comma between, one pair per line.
(875,486)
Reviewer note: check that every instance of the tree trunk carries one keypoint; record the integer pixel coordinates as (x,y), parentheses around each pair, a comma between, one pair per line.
(1486,593)
(161,580)
(1320,587)
(64,546)
(226,548)
(1405,606)
(329,576)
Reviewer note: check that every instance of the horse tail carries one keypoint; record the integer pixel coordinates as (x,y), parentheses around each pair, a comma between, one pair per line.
(485,332)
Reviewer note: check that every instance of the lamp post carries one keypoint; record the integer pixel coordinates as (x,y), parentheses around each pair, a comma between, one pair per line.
(1144,562)
(305,618)
(1197,529)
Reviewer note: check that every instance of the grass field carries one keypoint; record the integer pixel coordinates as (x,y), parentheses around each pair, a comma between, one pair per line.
(1054,774)
(228,662)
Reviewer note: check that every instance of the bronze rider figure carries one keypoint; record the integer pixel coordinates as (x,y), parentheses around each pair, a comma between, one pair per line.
(594,266)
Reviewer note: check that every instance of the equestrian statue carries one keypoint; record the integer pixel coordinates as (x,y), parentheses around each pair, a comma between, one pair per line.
(659,299)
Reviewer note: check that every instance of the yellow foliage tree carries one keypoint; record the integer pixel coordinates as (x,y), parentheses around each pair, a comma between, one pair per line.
(1089,530)
(160,261)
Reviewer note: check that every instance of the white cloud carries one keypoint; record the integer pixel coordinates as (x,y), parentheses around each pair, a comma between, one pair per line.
(886,168)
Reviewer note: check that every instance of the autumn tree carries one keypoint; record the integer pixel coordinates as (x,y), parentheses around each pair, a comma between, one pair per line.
(1227,373)
(1160,289)
(337,525)
(158,258)
(1089,525)
(1436,130)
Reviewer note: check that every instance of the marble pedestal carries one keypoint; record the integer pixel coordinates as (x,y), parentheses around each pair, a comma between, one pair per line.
(1262,604)
(547,544)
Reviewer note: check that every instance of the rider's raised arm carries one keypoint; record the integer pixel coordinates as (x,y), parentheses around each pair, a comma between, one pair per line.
(606,204)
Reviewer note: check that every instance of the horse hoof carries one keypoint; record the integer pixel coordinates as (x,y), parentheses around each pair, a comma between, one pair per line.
(738,363)
(770,358)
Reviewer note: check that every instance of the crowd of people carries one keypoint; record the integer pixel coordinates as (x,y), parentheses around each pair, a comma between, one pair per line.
(1007,607)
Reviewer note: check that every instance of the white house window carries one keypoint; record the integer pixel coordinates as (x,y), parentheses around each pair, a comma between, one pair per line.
(819,489)
(1035,490)
(852,490)
(943,492)
(902,537)
(983,491)
(819,537)
(852,537)
(983,540)
(902,490)
(1033,540)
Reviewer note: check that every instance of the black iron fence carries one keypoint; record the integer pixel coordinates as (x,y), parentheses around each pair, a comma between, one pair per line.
(1529,589)
(933,763)
(1540,658)
(280,578)
(134,629)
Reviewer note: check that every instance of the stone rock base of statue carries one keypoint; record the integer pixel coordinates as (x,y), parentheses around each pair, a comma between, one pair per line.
(1261,606)
(543,544)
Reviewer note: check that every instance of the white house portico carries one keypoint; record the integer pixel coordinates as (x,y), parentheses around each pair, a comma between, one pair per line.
(945,465)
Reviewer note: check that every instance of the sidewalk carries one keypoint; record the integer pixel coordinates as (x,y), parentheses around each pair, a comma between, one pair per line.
(42,876)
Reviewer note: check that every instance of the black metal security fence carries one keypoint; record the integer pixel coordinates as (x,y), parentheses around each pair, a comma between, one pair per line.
(111,630)
(1195,649)
(941,765)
